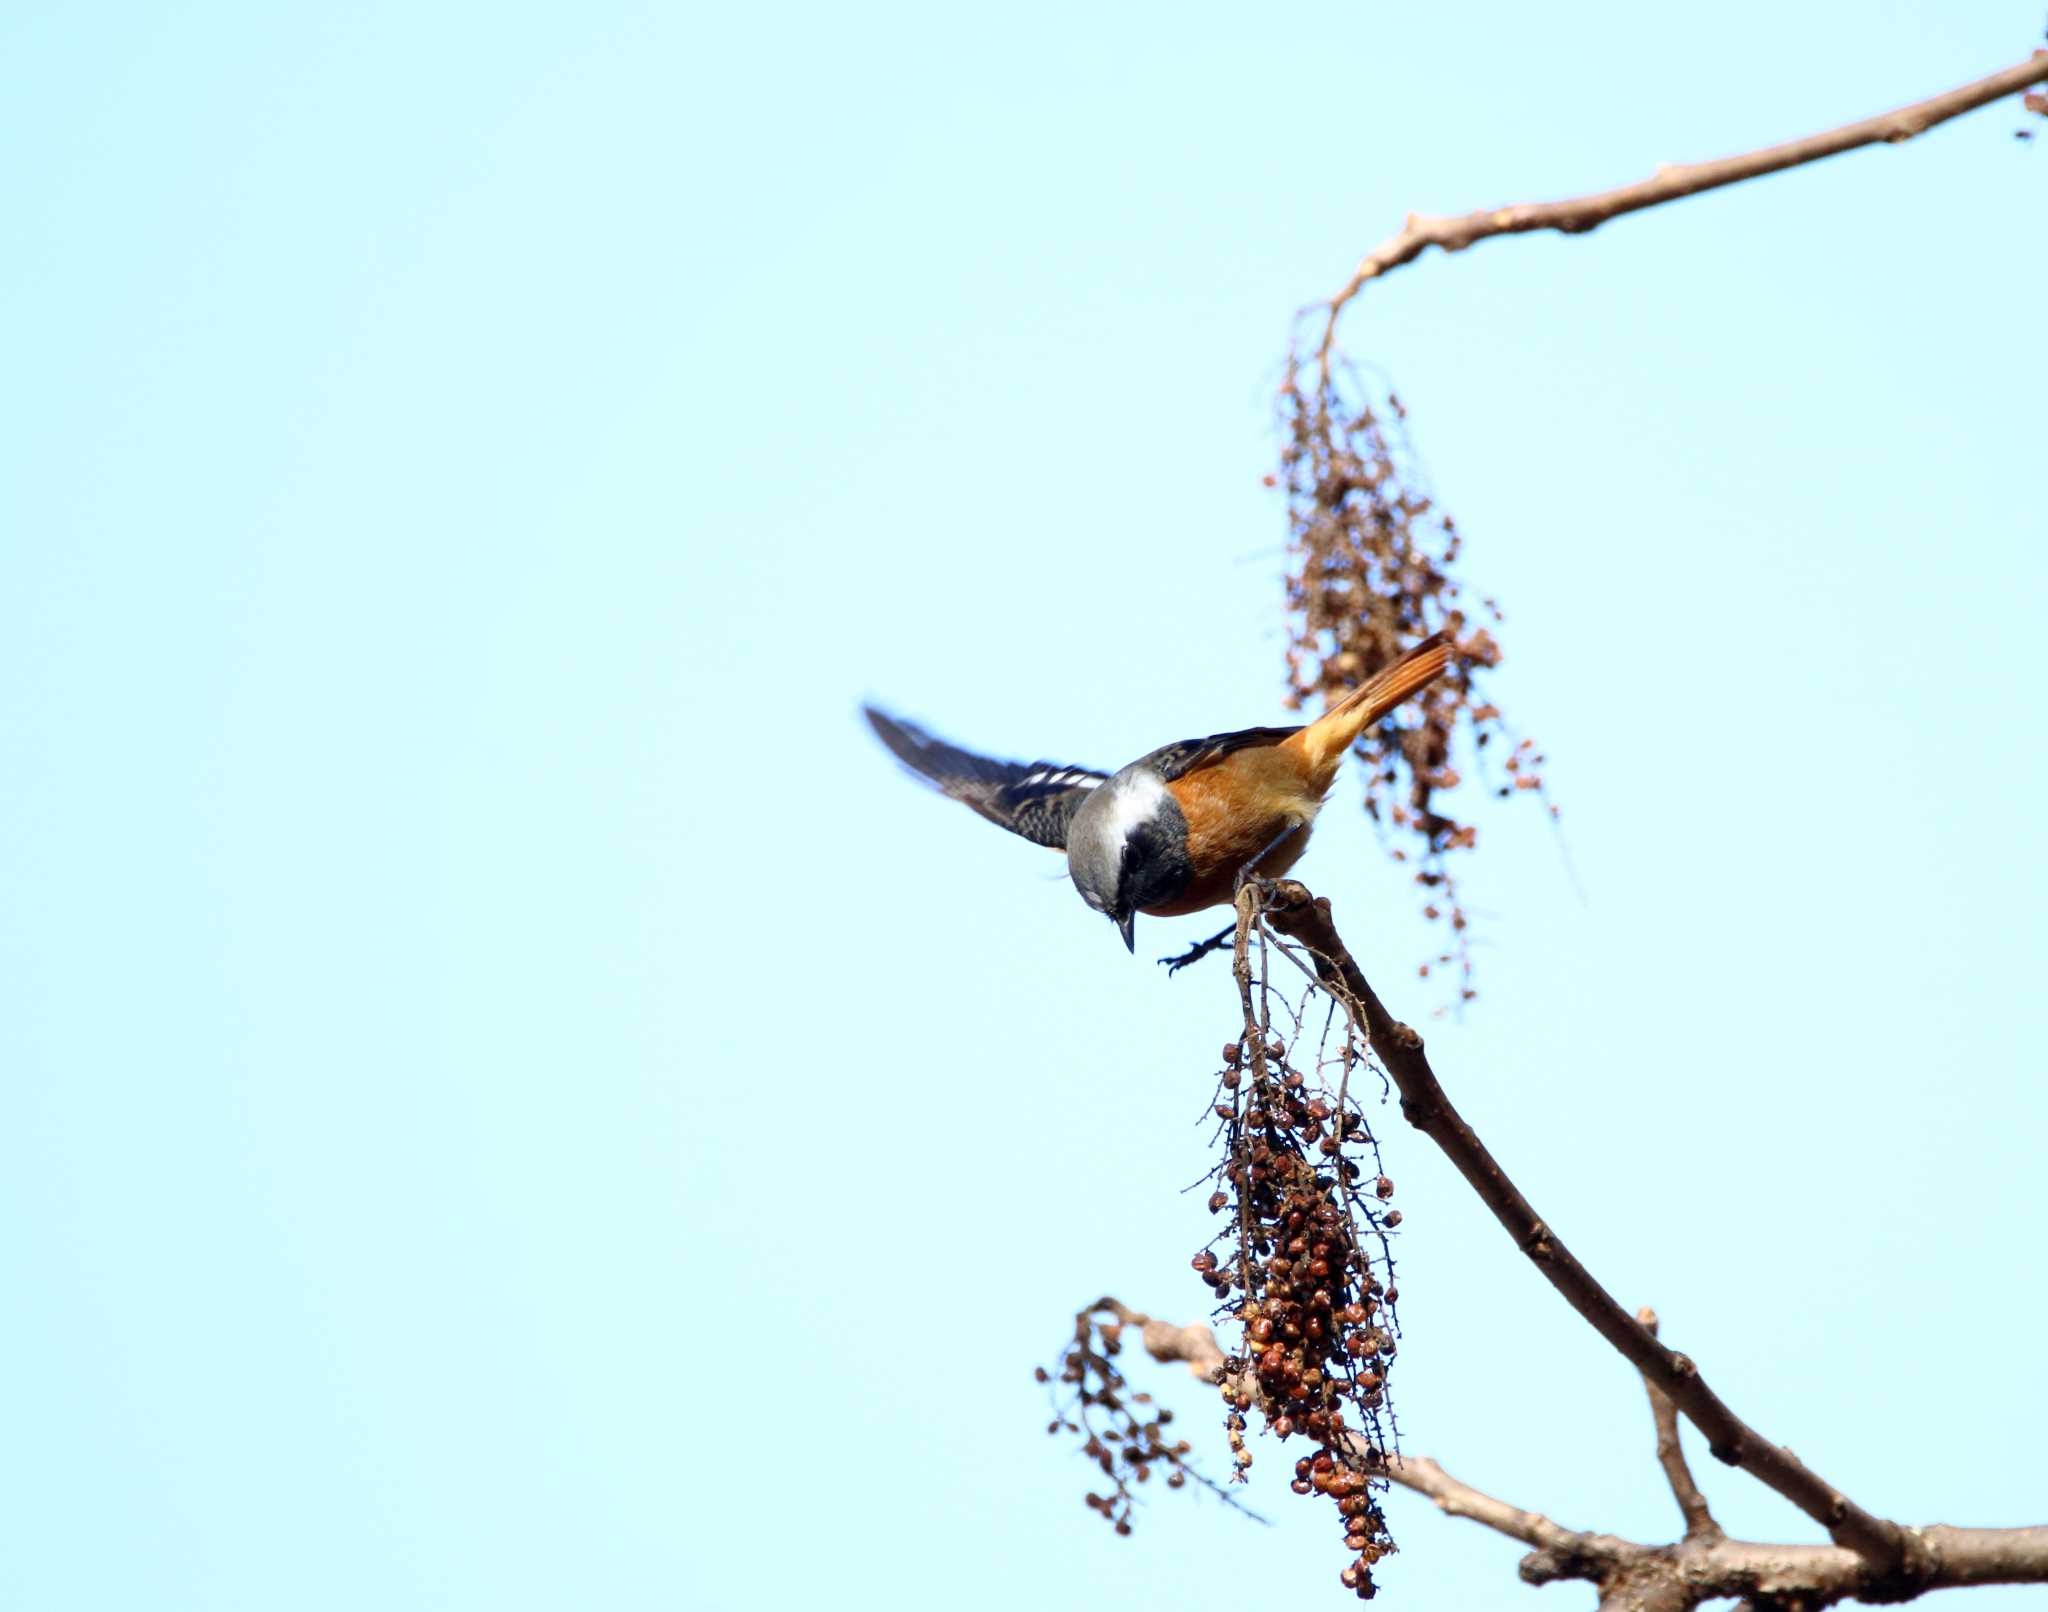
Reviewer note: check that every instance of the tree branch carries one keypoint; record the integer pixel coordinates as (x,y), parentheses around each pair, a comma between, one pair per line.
(1658,1578)
(1196,1345)
(1578,214)
(1692,1504)
(1892,1551)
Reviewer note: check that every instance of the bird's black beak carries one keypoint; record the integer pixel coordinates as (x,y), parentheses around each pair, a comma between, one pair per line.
(1124,926)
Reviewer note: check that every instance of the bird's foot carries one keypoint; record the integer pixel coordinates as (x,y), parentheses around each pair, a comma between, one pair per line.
(1249,878)
(1200,949)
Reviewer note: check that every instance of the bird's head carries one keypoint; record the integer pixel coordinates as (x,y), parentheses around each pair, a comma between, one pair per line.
(1127,848)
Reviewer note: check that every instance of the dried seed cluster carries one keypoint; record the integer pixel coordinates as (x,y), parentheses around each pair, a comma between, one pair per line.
(1303,1265)
(1374,559)
(1121,1431)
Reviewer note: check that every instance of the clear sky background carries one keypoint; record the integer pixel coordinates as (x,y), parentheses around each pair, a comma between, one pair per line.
(508,1100)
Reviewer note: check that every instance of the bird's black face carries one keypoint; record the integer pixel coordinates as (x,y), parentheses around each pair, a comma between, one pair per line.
(1153,868)
(1156,866)
(1127,851)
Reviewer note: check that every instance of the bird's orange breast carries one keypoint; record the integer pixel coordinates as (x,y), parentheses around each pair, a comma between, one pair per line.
(1234,810)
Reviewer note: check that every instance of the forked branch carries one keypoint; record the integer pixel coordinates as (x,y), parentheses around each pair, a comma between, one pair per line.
(1871,1558)
(1895,1554)
(1692,1504)
(1705,1565)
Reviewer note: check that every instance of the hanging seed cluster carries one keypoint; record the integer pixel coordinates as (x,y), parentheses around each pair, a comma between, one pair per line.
(1303,1265)
(1374,569)
(1122,1432)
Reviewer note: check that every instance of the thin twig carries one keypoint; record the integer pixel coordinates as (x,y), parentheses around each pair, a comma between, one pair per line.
(1692,1504)
(1578,214)
(1892,1550)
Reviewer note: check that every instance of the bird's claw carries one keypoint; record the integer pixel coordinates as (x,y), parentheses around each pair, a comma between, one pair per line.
(1256,881)
(1196,952)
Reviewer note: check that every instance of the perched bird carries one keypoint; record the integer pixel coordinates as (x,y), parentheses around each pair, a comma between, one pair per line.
(1181,828)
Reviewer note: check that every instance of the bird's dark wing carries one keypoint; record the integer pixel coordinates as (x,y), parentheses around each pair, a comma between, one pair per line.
(1172,761)
(1036,800)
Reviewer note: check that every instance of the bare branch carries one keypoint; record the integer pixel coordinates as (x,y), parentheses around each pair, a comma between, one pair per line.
(1704,1566)
(1196,1346)
(1692,1504)
(1578,214)
(1456,1499)
(1890,1549)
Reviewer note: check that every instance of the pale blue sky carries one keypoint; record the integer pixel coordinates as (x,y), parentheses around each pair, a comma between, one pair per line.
(510,1101)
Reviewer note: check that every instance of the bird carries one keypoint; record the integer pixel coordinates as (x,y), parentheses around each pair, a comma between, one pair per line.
(1185,825)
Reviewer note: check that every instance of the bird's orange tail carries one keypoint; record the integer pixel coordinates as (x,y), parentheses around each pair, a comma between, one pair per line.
(1323,742)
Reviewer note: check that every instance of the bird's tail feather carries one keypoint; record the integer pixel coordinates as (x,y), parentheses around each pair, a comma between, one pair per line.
(1323,742)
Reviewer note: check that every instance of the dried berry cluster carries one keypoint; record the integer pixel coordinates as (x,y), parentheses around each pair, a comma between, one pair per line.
(1303,1265)
(1132,1440)
(1374,561)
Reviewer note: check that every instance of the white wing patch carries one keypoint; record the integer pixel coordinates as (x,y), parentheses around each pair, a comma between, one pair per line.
(1059,778)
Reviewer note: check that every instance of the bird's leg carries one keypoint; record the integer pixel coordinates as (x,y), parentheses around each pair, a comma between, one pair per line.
(1249,872)
(1200,949)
